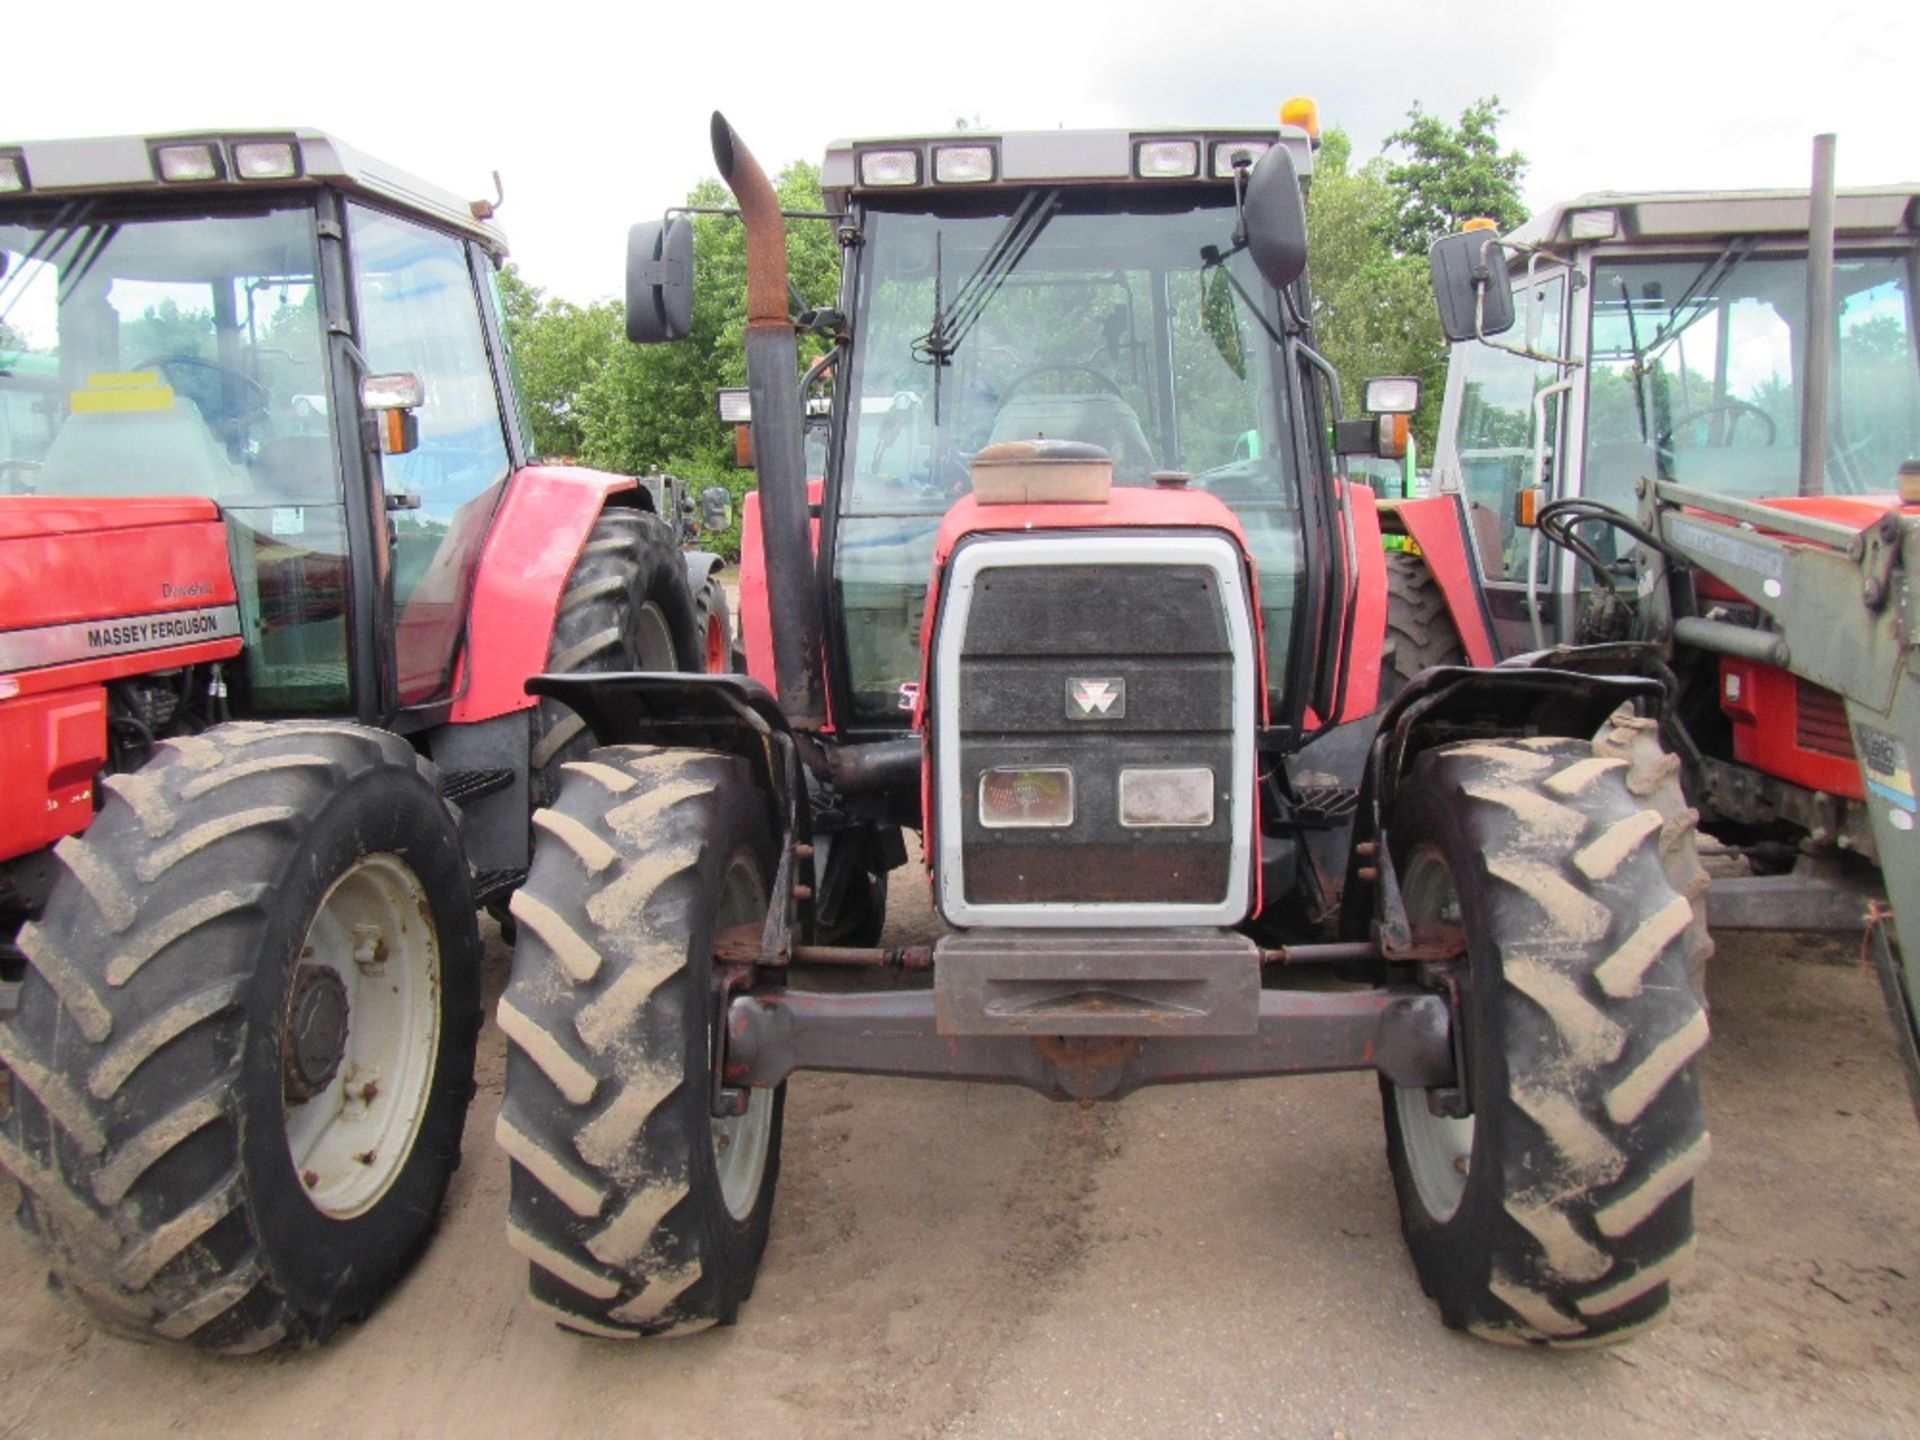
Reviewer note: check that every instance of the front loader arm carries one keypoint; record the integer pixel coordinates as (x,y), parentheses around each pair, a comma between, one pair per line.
(1843,602)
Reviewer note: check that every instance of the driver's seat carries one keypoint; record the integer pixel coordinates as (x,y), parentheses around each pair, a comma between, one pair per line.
(138,452)
(1097,419)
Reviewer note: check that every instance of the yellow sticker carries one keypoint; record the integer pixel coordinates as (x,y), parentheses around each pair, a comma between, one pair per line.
(122,390)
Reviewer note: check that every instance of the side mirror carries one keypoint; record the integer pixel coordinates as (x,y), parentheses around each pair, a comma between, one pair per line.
(1276,219)
(660,280)
(391,400)
(1470,285)
(716,508)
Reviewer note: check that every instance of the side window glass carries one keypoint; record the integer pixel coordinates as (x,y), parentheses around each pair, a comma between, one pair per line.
(419,312)
(1495,434)
(522,417)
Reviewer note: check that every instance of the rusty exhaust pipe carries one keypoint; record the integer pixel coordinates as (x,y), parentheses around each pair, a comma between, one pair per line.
(773,383)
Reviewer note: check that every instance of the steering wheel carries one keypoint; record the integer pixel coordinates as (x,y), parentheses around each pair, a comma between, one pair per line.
(253,397)
(1736,408)
(1057,367)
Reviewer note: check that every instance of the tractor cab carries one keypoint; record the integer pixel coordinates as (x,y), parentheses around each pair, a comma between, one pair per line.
(1664,336)
(279,324)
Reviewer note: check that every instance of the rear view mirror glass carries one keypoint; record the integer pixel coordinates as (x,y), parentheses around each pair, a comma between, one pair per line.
(660,280)
(1470,285)
(1276,219)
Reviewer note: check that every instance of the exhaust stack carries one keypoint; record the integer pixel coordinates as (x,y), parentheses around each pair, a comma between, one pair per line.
(773,382)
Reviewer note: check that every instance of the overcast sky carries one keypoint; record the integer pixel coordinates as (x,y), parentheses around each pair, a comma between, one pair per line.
(596,116)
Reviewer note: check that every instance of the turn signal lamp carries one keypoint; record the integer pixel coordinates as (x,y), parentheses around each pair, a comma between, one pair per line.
(890,167)
(1393,437)
(265,160)
(1302,111)
(1168,159)
(183,164)
(962,164)
(1526,508)
(13,174)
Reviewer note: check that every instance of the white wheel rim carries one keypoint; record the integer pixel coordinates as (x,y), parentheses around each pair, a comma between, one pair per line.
(1439,1149)
(742,1143)
(653,639)
(375,932)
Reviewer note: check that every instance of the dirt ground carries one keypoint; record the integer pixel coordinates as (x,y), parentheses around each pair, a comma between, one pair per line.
(1218,1260)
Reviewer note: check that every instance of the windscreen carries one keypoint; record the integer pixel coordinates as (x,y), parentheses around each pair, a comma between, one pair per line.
(1053,314)
(1698,373)
(182,354)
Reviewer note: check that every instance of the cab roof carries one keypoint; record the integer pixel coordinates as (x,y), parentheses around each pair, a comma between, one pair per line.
(126,164)
(1025,157)
(1721,214)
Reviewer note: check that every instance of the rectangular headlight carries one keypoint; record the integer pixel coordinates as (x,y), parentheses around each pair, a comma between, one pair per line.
(890,167)
(1168,159)
(962,164)
(1036,798)
(1225,150)
(13,174)
(734,404)
(199,161)
(1156,798)
(265,160)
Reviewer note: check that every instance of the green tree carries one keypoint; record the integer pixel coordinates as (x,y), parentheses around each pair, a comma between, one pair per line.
(558,349)
(1373,306)
(1449,174)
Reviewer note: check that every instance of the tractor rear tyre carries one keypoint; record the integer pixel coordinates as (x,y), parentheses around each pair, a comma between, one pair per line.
(1420,628)
(626,606)
(244,1047)
(1557,1211)
(713,621)
(638,1211)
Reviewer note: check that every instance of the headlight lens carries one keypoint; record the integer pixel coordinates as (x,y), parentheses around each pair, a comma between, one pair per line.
(1036,798)
(1153,798)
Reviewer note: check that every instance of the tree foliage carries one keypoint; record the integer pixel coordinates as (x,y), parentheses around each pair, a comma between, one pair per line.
(1449,174)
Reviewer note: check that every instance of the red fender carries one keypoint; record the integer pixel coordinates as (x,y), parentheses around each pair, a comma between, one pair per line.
(1367,620)
(1438,525)
(537,534)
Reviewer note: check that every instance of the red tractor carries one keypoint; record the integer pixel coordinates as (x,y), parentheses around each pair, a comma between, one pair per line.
(1686,429)
(275,565)
(1085,598)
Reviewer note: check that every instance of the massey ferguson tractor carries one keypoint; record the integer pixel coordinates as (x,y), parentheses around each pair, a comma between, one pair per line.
(1708,406)
(1085,598)
(275,566)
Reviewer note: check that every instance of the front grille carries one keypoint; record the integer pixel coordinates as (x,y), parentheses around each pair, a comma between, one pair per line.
(1821,725)
(1097,667)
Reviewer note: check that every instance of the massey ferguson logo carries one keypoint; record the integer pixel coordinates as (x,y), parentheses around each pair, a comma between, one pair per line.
(1096,699)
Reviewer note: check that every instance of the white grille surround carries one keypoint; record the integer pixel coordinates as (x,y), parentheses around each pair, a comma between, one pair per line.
(1213,551)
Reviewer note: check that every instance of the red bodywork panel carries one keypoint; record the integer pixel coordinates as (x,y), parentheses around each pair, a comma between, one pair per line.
(1127,508)
(1367,616)
(70,563)
(537,534)
(756,630)
(1438,525)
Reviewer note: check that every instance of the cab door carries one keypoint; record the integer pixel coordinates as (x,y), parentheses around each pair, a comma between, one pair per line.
(1505,431)
(420,311)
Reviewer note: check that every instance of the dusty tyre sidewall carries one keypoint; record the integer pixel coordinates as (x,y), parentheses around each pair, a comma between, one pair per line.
(1457,1249)
(333,1269)
(1457,1258)
(733,1247)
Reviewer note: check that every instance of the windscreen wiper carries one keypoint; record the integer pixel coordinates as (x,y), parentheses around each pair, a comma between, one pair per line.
(952,322)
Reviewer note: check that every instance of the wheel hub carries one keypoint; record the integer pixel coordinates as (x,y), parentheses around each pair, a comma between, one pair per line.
(316,1034)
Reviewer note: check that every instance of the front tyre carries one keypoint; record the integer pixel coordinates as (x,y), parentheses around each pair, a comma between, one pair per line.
(1558,1211)
(244,1048)
(638,1211)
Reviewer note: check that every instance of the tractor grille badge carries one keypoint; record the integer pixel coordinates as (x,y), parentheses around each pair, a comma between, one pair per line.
(1103,699)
